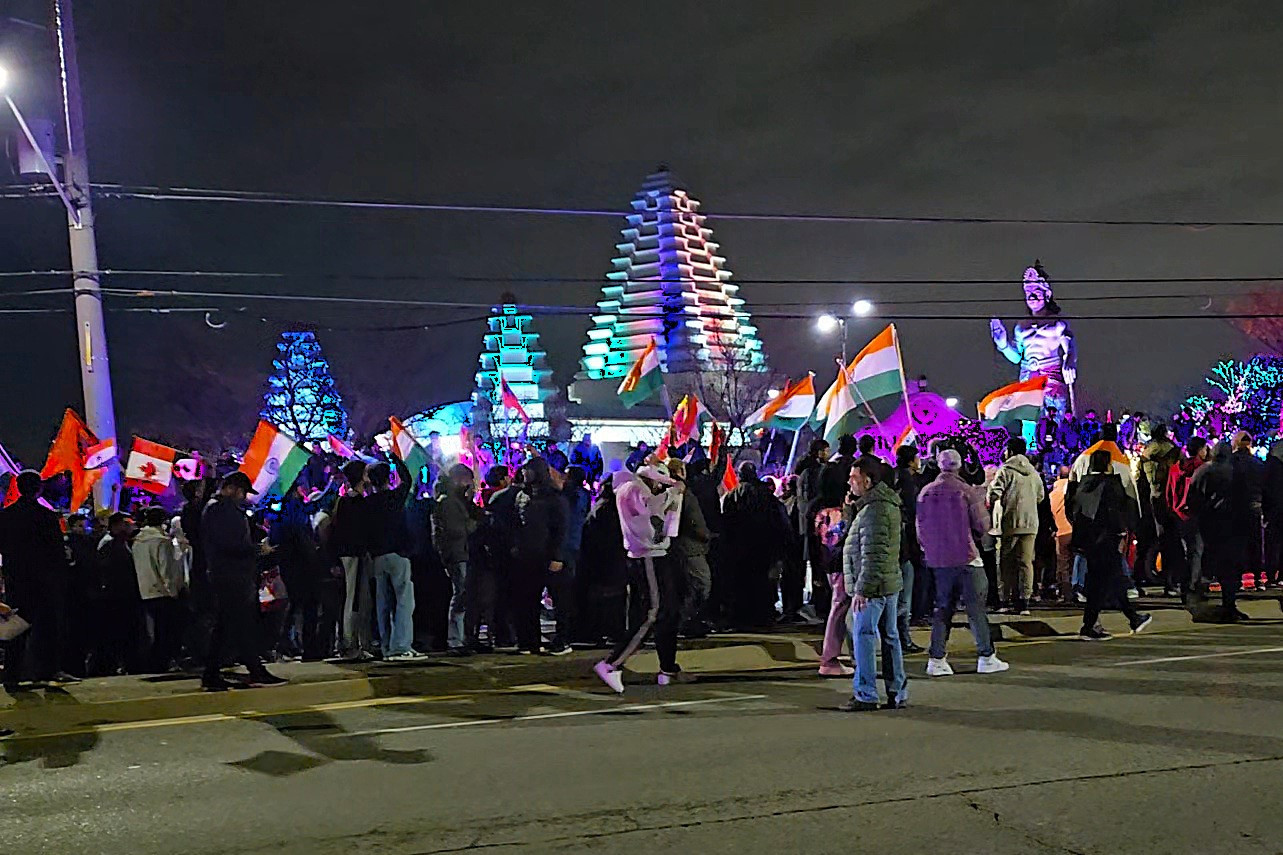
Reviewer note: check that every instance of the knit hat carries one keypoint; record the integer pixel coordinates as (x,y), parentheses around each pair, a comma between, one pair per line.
(949,460)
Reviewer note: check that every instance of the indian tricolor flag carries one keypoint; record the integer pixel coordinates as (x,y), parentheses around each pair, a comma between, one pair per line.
(273,461)
(688,419)
(642,380)
(788,410)
(1011,405)
(407,448)
(867,391)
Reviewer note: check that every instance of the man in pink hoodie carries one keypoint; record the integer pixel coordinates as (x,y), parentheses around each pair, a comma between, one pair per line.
(951,515)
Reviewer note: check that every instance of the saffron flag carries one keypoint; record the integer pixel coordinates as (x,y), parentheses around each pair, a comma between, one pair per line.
(409,452)
(1011,405)
(788,410)
(273,461)
(150,466)
(642,380)
(68,454)
(510,400)
(731,479)
(868,390)
(688,419)
(339,447)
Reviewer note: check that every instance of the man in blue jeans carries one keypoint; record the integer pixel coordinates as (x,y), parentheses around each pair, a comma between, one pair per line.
(389,566)
(871,574)
(951,515)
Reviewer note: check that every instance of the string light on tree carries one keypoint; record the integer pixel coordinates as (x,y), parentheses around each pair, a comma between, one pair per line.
(301,396)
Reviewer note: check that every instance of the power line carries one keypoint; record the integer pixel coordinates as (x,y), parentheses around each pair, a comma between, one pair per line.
(189,194)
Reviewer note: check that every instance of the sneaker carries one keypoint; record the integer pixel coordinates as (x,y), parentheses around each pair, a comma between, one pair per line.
(1003,611)
(1079,594)
(836,669)
(667,678)
(218,684)
(938,668)
(408,656)
(911,647)
(1133,594)
(1024,613)
(857,705)
(895,705)
(265,679)
(990,664)
(559,650)
(1142,620)
(610,675)
(1094,634)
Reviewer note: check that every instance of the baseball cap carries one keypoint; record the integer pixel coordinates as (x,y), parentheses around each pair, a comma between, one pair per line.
(240,479)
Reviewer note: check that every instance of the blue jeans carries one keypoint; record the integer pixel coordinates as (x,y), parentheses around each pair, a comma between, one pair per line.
(879,611)
(971,584)
(906,601)
(394,598)
(456,636)
(1080,569)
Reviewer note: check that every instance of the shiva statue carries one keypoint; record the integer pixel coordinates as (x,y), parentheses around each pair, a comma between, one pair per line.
(1042,346)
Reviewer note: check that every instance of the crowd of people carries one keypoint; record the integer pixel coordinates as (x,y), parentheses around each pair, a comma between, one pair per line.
(366,560)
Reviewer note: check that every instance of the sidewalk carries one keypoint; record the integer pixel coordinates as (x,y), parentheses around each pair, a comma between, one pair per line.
(99,703)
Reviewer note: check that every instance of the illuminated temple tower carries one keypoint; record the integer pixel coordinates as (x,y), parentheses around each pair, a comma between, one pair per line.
(668,283)
(512,352)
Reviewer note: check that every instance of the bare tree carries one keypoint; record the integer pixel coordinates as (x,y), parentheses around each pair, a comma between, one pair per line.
(735,385)
(1263,318)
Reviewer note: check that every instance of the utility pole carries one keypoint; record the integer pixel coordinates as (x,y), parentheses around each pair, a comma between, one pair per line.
(95,370)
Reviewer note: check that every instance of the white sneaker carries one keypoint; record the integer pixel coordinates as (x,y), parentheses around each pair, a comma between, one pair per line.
(938,668)
(990,664)
(612,677)
(1133,594)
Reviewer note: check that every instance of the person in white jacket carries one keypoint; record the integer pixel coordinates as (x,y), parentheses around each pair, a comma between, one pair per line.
(158,562)
(650,506)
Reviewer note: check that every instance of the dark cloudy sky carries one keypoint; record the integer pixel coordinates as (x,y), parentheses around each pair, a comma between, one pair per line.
(1090,110)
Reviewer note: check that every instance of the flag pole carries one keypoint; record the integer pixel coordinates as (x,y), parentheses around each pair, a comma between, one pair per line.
(788,467)
(904,383)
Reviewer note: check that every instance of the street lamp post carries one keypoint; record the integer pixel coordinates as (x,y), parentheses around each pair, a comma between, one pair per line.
(91,336)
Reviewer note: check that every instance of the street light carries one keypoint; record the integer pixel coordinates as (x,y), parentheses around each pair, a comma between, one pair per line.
(772,394)
(827,323)
(862,308)
(4,78)
(951,402)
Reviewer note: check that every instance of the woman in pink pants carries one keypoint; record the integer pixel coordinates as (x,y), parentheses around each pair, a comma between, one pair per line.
(831,531)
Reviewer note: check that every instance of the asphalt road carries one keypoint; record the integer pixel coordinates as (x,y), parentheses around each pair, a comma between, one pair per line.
(1167,742)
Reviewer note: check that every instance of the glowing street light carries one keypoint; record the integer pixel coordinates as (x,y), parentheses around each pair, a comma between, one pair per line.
(827,323)
(862,308)
(772,394)
(4,78)
(951,402)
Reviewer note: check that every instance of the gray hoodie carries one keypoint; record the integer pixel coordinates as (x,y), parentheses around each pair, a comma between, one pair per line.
(1017,489)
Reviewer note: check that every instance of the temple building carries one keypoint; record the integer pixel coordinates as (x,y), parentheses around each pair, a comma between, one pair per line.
(512,352)
(669,283)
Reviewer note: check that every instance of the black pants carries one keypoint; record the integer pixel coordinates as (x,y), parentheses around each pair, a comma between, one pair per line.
(1224,559)
(117,634)
(654,605)
(165,623)
(924,586)
(1274,548)
(236,625)
(527,600)
(792,579)
(15,655)
(1106,587)
(562,586)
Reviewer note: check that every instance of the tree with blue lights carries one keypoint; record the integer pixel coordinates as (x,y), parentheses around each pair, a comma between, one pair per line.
(301,396)
(1243,396)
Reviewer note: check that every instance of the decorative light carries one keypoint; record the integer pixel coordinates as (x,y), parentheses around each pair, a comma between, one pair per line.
(951,402)
(772,394)
(862,308)
(4,78)
(826,323)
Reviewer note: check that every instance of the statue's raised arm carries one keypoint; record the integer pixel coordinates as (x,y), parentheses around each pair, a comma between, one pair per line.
(1000,341)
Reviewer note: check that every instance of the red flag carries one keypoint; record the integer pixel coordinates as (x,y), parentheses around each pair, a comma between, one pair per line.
(715,445)
(150,466)
(731,479)
(510,400)
(67,454)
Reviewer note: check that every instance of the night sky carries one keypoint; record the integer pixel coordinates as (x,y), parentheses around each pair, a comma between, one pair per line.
(1097,110)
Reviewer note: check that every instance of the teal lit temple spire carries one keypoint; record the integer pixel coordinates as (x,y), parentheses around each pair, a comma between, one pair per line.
(512,351)
(669,283)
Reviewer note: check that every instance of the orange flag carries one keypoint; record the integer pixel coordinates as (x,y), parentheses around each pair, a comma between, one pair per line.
(67,454)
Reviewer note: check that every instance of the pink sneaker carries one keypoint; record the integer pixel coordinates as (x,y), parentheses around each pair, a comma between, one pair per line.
(610,675)
(835,669)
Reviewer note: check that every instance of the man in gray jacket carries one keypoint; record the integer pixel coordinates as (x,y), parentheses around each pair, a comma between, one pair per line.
(1014,496)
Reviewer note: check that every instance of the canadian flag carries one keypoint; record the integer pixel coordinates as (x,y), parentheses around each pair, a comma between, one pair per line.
(150,466)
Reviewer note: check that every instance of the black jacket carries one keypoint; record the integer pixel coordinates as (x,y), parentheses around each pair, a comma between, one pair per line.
(907,486)
(117,580)
(350,527)
(32,547)
(706,488)
(1101,512)
(229,551)
(1246,491)
(835,480)
(1210,498)
(541,531)
(388,531)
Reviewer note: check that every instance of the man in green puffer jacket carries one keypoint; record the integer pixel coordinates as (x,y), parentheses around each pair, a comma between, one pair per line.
(871,572)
